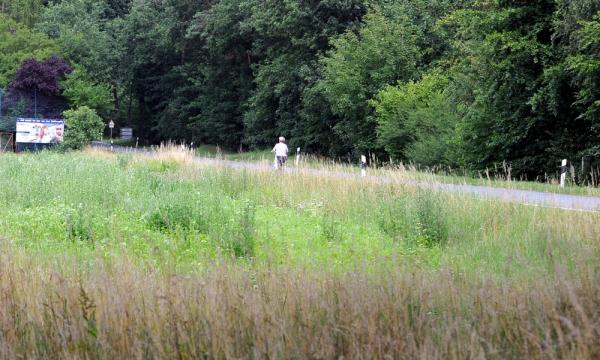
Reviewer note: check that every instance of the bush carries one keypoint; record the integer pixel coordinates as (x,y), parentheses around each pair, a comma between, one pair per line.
(82,125)
(417,122)
(80,90)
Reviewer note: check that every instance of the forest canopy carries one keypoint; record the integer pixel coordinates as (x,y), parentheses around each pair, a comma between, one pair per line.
(465,84)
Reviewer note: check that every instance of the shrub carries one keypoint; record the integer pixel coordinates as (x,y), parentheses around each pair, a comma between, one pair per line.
(82,125)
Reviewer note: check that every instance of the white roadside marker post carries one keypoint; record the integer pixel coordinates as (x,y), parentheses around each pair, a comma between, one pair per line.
(111,126)
(563,173)
(363,166)
(297,156)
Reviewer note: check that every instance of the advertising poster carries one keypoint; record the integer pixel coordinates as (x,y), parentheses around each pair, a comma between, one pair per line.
(40,131)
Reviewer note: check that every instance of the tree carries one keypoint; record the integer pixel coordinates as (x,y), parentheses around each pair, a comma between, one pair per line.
(383,52)
(80,91)
(42,77)
(417,122)
(37,83)
(18,43)
(26,12)
(585,66)
(290,36)
(160,67)
(82,125)
(88,36)
(498,60)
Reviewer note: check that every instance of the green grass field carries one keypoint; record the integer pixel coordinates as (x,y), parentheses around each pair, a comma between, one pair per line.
(256,264)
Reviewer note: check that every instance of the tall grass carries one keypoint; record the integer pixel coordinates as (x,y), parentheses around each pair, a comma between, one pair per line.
(105,256)
(231,311)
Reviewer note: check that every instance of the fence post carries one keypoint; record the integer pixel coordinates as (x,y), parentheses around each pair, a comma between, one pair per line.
(563,173)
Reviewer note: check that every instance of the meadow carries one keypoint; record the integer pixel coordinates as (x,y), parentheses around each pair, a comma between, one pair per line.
(121,256)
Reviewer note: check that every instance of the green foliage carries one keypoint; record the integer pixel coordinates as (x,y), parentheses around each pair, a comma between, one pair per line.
(26,12)
(585,64)
(18,43)
(237,235)
(187,217)
(86,37)
(359,65)
(80,90)
(89,37)
(82,125)
(500,56)
(221,86)
(331,227)
(290,36)
(417,122)
(178,216)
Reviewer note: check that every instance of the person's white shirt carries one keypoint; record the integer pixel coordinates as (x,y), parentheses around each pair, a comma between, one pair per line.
(280,149)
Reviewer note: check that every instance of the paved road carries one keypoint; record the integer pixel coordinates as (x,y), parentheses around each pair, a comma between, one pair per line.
(526,197)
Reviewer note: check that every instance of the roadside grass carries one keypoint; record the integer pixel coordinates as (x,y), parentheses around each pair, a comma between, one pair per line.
(549,185)
(501,179)
(112,256)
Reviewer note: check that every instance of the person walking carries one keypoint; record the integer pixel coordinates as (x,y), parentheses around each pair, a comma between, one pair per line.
(281,153)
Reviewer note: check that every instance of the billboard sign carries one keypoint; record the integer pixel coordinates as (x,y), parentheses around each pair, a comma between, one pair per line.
(40,131)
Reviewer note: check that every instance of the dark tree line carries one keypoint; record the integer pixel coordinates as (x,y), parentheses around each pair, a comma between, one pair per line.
(464,84)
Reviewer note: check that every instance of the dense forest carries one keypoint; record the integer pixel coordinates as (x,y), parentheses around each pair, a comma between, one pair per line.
(466,84)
